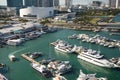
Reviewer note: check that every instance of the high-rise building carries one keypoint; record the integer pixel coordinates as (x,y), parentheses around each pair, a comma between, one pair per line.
(68,3)
(96,3)
(55,3)
(26,3)
(35,3)
(47,3)
(14,3)
(38,3)
(117,3)
(114,3)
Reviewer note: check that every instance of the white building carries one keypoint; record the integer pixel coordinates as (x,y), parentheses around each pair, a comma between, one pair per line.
(37,12)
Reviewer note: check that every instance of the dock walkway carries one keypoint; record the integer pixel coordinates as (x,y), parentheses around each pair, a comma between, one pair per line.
(29,59)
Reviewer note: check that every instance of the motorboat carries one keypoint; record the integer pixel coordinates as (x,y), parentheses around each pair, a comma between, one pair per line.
(64,47)
(35,55)
(83,76)
(42,69)
(12,57)
(61,67)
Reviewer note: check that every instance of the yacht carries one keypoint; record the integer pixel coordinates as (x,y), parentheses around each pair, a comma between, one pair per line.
(42,69)
(77,49)
(2,77)
(83,76)
(63,68)
(93,53)
(96,59)
(58,77)
(12,57)
(35,55)
(60,67)
(64,47)
(72,36)
(115,61)
(2,65)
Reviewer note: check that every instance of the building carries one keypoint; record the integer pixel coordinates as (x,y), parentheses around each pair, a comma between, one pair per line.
(9,11)
(14,3)
(47,3)
(96,3)
(68,3)
(114,3)
(117,3)
(65,5)
(37,12)
(35,3)
(55,3)
(38,3)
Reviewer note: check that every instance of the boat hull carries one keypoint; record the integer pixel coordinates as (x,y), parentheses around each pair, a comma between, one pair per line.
(64,51)
(96,62)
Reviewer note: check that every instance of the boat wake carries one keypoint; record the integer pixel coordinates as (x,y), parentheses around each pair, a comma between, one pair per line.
(87,65)
(17,51)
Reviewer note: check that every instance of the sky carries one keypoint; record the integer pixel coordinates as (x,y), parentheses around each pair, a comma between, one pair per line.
(82,2)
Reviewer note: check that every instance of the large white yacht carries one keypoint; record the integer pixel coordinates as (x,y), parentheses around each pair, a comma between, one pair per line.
(64,47)
(83,76)
(2,77)
(96,59)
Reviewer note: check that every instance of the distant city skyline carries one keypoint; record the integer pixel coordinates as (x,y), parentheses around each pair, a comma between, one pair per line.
(82,2)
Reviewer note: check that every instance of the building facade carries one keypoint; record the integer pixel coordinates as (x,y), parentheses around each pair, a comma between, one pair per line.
(114,3)
(47,3)
(35,3)
(56,3)
(37,12)
(38,3)
(68,3)
(14,3)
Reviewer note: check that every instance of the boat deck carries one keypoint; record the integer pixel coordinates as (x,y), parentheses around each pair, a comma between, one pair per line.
(29,59)
(53,44)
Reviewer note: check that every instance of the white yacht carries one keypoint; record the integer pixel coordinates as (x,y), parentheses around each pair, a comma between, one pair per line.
(12,57)
(15,42)
(96,59)
(93,53)
(64,47)
(83,76)
(41,69)
(58,77)
(61,67)
(2,77)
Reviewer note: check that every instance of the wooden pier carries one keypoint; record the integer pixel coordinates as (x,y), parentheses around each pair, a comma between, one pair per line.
(29,59)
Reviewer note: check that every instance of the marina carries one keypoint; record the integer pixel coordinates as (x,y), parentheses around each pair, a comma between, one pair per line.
(97,39)
(42,45)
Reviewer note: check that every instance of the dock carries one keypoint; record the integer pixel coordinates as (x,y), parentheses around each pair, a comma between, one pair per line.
(29,59)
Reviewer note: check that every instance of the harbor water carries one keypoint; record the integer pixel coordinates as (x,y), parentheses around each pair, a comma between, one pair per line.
(116,18)
(22,70)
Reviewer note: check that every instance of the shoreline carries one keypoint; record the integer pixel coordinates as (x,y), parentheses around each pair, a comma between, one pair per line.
(84,27)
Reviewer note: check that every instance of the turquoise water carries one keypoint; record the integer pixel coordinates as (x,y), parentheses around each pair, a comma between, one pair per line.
(21,69)
(116,18)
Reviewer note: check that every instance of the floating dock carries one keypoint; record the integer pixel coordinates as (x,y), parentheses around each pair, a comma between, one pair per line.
(29,59)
